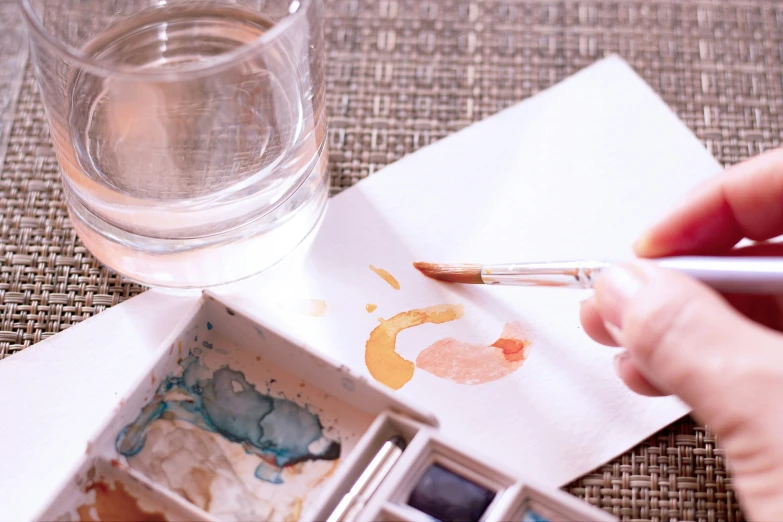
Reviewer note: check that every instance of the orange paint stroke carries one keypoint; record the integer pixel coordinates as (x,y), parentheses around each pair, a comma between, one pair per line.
(386,276)
(370,307)
(380,356)
(466,363)
(114,502)
(294,510)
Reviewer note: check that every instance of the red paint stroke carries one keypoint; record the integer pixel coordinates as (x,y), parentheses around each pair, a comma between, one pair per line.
(513,349)
(468,363)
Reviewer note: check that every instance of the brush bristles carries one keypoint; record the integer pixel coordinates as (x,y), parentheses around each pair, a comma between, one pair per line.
(466,273)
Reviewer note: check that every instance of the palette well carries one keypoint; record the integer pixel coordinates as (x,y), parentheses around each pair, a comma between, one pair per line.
(233,421)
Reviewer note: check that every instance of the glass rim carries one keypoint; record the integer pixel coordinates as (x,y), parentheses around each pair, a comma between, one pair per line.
(209,65)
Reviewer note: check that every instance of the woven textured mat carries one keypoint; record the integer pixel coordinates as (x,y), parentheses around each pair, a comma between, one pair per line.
(402,74)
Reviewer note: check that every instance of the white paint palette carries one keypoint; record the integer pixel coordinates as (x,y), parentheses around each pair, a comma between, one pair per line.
(229,420)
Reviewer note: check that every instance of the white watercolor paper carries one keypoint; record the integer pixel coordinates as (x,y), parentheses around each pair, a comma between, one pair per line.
(577,171)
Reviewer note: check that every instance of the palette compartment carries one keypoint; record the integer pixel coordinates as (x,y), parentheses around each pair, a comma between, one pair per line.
(109,490)
(396,513)
(535,504)
(233,421)
(430,448)
(386,426)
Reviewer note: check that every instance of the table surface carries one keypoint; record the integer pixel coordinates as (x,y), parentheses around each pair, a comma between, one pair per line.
(402,74)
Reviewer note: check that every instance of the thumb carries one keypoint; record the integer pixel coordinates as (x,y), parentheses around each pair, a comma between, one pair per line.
(685,339)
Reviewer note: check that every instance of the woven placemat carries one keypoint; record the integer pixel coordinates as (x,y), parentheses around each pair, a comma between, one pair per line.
(404,73)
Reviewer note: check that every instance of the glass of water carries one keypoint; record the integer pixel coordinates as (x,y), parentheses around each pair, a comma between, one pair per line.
(191,134)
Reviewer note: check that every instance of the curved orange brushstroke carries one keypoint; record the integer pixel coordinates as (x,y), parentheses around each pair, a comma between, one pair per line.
(466,363)
(383,362)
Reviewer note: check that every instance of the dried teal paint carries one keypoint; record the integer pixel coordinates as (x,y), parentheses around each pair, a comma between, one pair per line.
(279,431)
(209,325)
(532,516)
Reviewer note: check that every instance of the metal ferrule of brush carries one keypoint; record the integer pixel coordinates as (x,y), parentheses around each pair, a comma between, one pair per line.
(567,274)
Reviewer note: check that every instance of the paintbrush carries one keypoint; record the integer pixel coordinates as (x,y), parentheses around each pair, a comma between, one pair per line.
(746,275)
(355,500)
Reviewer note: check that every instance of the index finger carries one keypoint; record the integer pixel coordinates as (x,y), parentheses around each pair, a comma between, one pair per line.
(745,201)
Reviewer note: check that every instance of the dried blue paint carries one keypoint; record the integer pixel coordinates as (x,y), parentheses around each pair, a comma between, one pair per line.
(260,333)
(532,516)
(222,401)
(207,345)
(209,325)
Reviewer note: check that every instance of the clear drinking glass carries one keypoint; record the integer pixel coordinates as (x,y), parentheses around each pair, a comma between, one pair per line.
(191,134)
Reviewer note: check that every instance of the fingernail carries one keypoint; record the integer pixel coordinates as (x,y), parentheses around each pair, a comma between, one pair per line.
(617,286)
(619,360)
(644,247)
(639,246)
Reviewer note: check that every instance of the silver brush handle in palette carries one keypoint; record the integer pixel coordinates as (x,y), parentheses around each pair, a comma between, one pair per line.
(747,275)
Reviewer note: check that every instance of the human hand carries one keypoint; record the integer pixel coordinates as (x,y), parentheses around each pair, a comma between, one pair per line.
(722,355)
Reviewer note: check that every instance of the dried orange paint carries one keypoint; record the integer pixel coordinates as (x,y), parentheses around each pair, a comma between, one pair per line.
(114,502)
(370,307)
(380,355)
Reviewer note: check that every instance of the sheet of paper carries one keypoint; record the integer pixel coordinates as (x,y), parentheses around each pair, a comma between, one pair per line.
(577,171)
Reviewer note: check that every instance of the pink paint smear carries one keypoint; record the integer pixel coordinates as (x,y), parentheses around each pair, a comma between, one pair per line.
(466,363)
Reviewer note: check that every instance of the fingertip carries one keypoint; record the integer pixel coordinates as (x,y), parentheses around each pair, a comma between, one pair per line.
(648,246)
(627,371)
(593,323)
